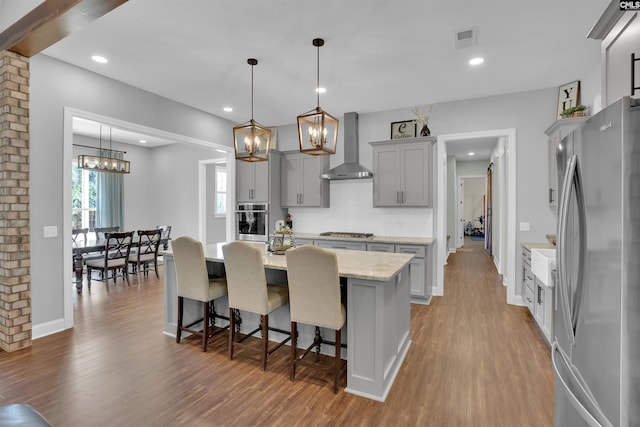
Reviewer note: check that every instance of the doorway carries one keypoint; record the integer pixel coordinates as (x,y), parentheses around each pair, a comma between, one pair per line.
(506,228)
(471,209)
(67,154)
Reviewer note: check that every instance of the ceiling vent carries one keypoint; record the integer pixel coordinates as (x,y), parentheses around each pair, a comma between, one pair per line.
(466,38)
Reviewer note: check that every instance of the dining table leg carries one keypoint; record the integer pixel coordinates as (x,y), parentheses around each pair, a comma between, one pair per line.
(78,267)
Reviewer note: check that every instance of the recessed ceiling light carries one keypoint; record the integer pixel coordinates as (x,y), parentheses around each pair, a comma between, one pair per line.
(472,153)
(228,109)
(476,61)
(100,59)
(143,141)
(321,90)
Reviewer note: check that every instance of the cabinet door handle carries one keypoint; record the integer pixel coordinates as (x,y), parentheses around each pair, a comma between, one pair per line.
(397,197)
(551,195)
(301,198)
(402,197)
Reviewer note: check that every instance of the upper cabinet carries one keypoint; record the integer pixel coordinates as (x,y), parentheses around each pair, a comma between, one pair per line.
(617,47)
(301,185)
(556,132)
(255,181)
(402,173)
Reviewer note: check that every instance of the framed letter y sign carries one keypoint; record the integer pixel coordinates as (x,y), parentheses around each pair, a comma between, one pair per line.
(568,96)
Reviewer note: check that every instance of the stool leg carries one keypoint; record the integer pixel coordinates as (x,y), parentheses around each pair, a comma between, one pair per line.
(232,321)
(338,363)
(180,308)
(205,328)
(265,339)
(294,344)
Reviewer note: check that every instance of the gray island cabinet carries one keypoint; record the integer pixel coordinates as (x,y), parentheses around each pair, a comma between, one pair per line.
(377,331)
(402,173)
(421,267)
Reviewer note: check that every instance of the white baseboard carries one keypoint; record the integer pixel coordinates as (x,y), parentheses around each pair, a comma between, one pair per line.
(47,328)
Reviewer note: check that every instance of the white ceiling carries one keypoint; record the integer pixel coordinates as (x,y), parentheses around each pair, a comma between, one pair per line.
(378,55)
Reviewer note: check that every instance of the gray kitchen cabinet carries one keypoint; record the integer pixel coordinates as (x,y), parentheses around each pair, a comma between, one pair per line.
(420,270)
(301,185)
(340,244)
(252,181)
(558,130)
(402,173)
(527,280)
(381,247)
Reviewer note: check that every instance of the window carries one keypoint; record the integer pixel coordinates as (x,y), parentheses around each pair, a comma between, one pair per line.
(83,197)
(221,191)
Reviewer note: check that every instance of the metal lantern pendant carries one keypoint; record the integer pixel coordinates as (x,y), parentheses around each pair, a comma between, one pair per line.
(251,140)
(317,129)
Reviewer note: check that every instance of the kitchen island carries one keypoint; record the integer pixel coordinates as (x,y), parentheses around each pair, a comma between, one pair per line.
(377,303)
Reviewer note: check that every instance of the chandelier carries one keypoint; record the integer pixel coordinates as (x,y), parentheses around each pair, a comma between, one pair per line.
(251,140)
(317,129)
(107,160)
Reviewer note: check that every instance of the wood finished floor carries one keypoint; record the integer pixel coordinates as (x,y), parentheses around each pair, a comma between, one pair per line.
(474,361)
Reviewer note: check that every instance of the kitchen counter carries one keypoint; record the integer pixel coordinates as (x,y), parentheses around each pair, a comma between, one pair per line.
(394,240)
(378,306)
(537,245)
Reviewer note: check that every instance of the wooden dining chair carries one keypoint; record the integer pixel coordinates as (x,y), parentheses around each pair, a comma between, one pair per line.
(314,292)
(77,232)
(249,291)
(146,252)
(101,231)
(166,235)
(114,258)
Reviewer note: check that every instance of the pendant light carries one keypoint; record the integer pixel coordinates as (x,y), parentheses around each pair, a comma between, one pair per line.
(251,140)
(106,161)
(317,129)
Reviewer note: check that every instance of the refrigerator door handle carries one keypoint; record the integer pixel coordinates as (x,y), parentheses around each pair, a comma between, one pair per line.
(561,269)
(587,416)
(571,310)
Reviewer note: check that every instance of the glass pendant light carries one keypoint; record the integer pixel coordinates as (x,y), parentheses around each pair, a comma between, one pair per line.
(251,140)
(317,129)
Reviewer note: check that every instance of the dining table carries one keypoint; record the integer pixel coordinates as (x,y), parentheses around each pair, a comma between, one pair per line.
(82,247)
(378,307)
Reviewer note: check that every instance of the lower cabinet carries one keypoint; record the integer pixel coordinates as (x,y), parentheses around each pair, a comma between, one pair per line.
(538,298)
(337,244)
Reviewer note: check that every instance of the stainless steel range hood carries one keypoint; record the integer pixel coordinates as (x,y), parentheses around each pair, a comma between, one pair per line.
(350,169)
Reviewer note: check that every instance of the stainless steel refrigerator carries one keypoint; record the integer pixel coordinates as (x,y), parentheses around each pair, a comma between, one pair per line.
(596,350)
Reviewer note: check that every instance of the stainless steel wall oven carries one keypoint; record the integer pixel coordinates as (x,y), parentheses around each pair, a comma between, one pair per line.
(252,222)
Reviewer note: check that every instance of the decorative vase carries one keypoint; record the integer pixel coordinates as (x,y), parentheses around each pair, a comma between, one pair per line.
(425,130)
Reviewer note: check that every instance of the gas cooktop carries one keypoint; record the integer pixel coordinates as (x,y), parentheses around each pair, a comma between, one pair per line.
(346,234)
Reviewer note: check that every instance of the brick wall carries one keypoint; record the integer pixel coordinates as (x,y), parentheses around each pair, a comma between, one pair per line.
(15,278)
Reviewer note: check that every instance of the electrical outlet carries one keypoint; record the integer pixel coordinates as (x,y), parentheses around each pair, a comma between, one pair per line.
(50,231)
(525,226)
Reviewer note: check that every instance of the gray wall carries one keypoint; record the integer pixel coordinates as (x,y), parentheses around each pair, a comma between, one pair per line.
(55,85)
(451,219)
(216,226)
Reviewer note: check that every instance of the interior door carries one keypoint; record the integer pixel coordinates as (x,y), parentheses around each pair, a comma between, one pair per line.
(460,213)
(488,216)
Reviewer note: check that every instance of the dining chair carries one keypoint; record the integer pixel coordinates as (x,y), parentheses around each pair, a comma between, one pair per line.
(146,252)
(314,292)
(249,291)
(195,284)
(101,231)
(115,257)
(77,232)
(166,235)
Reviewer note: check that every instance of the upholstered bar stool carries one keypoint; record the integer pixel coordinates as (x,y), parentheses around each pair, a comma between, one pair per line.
(249,291)
(194,283)
(314,292)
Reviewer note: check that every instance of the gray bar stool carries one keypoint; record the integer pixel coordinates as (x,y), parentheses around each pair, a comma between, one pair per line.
(249,291)
(314,292)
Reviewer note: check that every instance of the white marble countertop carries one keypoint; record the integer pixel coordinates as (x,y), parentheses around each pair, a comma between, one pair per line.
(537,245)
(379,266)
(396,240)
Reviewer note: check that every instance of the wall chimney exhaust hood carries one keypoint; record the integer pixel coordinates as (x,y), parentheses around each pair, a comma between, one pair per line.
(350,169)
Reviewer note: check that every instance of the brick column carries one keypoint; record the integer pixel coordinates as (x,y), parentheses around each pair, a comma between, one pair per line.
(15,258)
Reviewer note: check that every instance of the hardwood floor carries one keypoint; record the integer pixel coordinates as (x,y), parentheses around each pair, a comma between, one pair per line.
(474,361)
